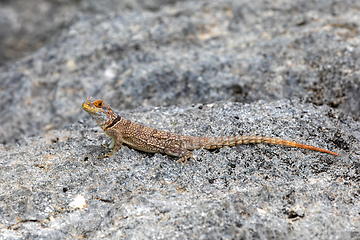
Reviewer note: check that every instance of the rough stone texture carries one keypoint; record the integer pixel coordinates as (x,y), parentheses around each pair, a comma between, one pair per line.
(58,190)
(193,52)
(189,68)
(28,25)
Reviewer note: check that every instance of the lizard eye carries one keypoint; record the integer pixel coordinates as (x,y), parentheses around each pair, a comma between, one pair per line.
(99,103)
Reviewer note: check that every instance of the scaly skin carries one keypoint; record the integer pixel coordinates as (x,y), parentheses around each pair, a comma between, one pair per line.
(157,141)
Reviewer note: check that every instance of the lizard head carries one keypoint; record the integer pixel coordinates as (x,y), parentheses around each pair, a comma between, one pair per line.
(100,111)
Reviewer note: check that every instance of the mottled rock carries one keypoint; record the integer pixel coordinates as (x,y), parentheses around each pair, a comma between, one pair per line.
(51,188)
(278,68)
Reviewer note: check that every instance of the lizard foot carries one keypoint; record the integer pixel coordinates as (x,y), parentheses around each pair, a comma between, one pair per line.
(106,154)
(103,156)
(179,152)
(185,159)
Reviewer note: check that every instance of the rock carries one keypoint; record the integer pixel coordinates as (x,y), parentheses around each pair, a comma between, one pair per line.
(192,52)
(274,68)
(52,189)
(30,25)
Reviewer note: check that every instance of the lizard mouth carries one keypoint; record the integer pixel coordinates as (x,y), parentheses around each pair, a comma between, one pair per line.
(87,106)
(95,112)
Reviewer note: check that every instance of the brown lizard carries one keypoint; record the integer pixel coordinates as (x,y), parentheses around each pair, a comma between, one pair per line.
(158,141)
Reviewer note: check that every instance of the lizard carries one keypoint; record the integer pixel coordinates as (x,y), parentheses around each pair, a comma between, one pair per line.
(152,140)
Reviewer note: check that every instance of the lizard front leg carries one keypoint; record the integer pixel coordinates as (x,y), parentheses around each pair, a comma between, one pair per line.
(115,144)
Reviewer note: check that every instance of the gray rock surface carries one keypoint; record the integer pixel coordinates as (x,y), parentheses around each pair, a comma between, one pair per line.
(28,25)
(58,190)
(275,68)
(193,52)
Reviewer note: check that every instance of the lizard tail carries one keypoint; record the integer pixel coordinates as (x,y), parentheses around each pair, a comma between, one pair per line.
(219,142)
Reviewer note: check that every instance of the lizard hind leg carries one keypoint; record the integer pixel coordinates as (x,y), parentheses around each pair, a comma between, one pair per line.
(176,151)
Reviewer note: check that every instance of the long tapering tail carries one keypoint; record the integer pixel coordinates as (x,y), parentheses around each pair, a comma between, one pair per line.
(219,142)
